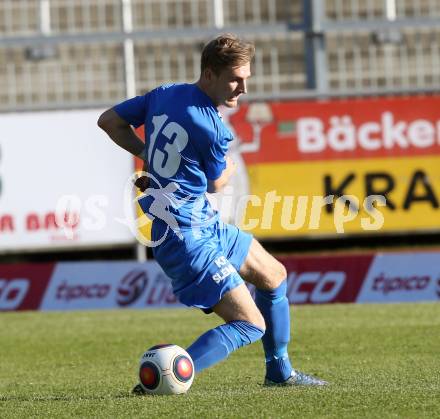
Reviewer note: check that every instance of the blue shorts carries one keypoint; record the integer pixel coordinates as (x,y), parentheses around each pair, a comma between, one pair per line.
(205,264)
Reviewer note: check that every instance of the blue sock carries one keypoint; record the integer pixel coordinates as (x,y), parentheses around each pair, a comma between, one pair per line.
(216,344)
(274,307)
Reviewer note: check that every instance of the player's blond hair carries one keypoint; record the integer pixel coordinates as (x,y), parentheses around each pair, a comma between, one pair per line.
(227,50)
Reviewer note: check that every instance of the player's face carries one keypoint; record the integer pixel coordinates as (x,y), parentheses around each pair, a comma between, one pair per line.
(230,84)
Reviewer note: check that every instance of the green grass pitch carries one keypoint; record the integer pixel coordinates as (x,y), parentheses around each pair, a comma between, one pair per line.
(381,360)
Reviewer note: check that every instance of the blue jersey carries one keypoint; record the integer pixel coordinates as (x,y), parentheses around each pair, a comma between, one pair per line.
(186,143)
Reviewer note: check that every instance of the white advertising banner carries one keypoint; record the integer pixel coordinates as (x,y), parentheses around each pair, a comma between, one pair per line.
(61,182)
(99,285)
(402,277)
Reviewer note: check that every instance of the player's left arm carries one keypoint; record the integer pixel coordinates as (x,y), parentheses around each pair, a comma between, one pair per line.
(217,165)
(216,185)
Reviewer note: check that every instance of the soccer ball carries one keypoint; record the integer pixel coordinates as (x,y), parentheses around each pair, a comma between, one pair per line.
(166,369)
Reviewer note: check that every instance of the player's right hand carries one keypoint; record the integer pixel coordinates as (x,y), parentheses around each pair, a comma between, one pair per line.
(142,183)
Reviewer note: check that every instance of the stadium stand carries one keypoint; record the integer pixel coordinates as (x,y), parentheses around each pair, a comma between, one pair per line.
(58,53)
(339,10)
(361,60)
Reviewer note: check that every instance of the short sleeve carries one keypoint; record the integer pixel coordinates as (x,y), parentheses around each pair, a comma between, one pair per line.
(213,156)
(133,110)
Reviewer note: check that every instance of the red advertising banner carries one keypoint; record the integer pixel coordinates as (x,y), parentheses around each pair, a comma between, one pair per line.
(22,286)
(325,279)
(339,129)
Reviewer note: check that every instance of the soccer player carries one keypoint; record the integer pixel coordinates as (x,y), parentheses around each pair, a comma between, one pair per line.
(185,156)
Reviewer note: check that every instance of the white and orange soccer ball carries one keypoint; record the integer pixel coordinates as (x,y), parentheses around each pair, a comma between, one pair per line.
(166,369)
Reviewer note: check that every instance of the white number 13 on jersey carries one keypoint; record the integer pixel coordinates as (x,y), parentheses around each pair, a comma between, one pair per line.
(166,163)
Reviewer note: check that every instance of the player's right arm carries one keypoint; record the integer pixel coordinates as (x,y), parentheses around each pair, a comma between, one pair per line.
(217,184)
(117,122)
(121,133)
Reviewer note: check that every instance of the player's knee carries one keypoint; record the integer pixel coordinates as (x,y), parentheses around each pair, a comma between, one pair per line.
(256,319)
(282,272)
(259,322)
(278,275)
